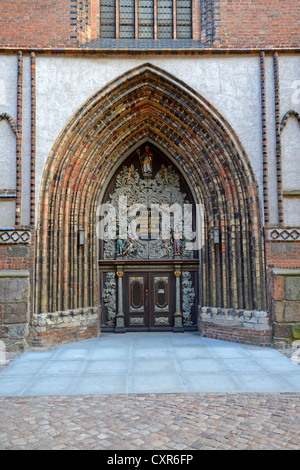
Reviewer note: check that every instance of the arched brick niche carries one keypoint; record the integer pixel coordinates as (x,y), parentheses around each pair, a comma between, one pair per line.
(147,103)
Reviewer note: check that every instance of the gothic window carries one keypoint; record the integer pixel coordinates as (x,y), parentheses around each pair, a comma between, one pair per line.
(108,19)
(146,19)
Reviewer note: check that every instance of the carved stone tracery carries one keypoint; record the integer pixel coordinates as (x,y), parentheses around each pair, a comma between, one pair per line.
(188,297)
(110,298)
(162,190)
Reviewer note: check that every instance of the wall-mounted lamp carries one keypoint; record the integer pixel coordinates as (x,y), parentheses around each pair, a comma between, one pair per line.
(216,235)
(81,236)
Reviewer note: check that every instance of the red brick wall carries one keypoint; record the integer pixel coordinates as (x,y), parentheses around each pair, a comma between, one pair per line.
(259,23)
(18,257)
(63,336)
(283,255)
(65,23)
(237,335)
(37,23)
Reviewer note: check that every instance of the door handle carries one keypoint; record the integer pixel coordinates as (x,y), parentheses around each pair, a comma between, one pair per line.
(146,298)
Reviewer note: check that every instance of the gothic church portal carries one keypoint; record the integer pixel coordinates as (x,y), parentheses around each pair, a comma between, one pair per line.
(148,112)
(202,145)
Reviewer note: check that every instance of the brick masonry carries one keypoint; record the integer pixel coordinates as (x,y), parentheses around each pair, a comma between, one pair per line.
(49,329)
(236,335)
(224,23)
(237,326)
(31,23)
(16,256)
(258,24)
(283,254)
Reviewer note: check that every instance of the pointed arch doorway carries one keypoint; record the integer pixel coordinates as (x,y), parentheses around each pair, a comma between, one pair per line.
(148,105)
(149,256)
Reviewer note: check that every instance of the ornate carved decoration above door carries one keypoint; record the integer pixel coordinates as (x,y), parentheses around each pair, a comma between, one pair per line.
(149,189)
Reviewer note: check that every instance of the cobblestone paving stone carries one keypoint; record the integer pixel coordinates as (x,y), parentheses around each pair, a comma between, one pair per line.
(266,421)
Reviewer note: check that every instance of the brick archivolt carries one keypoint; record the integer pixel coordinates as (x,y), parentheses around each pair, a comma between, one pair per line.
(9,119)
(148,104)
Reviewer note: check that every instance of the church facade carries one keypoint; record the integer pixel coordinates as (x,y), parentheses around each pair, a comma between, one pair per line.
(150,170)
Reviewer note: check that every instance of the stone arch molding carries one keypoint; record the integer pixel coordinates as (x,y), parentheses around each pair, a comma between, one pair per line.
(287,116)
(11,122)
(148,104)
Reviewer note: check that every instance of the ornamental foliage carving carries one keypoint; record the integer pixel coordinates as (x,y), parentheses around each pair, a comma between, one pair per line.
(140,194)
(188,297)
(109,298)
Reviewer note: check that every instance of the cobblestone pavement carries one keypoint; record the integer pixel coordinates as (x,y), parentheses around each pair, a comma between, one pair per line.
(152,422)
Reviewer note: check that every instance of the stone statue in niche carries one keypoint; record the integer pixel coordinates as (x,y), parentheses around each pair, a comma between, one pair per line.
(130,173)
(146,160)
(130,248)
(177,243)
(168,247)
(166,173)
(120,246)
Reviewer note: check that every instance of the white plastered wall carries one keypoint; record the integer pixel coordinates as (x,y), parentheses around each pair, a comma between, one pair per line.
(290,141)
(8,104)
(230,83)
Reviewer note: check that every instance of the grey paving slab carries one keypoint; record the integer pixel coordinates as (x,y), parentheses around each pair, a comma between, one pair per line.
(99,385)
(115,342)
(150,363)
(13,386)
(190,339)
(192,352)
(103,353)
(292,379)
(41,356)
(151,353)
(62,368)
(158,383)
(49,386)
(110,367)
(72,354)
(210,383)
(227,352)
(199,366)
(150,366)
(248,365)
(21,368)
(262,383)
(278,364)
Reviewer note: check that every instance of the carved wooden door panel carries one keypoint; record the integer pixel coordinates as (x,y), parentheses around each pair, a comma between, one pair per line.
(148,300)
(136,300)
(161,300)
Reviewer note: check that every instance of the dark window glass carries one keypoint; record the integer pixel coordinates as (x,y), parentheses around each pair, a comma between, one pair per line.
(184,19)
(165,19)
(146,19)
(127,19)
(165,27)
(108,18)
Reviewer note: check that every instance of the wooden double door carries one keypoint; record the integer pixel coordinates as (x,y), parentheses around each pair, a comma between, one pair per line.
(149,300)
